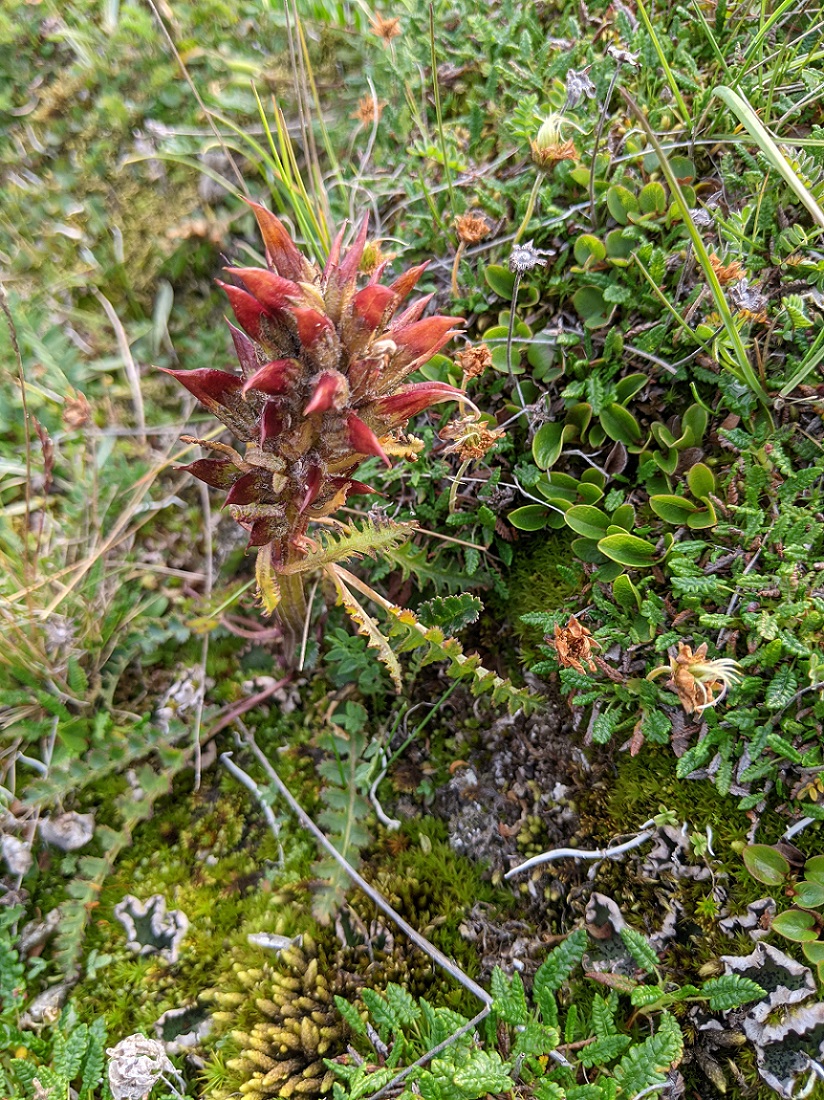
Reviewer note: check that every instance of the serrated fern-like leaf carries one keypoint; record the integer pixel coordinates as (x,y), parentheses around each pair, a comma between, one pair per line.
(343,819)
(509,998)
(640,949)
(731,991)
(560,962)
(368,628)
(419,562)
(451,613)
(647,1063)
(354,540)
(413,635)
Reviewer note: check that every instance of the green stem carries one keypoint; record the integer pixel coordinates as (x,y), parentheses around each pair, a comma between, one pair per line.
(530,206)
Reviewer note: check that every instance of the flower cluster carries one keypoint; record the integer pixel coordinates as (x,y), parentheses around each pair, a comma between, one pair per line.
(321,386)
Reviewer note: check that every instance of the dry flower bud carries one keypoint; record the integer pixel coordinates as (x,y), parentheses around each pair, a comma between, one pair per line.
(470,437)
(473,361)
(136,1065)
(387,29)
(573,644)
(77,412)
(726,273)
(472,228)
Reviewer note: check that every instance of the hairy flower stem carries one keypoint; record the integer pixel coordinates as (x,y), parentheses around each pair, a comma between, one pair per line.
(515,288)
(530,207)
(598,133)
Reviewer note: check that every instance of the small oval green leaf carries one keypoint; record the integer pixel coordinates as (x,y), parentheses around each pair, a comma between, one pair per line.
(766,864)
(620,424)
(547,445)
(796,925)
(628,550)
(701,480)
(532,517)
(588,521)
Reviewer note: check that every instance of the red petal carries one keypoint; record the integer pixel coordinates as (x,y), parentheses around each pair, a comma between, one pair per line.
(419,341)
(247,309)
(404,283)
(246,490)
(350,265)
(313,483)
(244,349)
(216,472)
(333,259)
(398,407)
(281,252)
(353,488)
(273,378)
(363,440)
(311,325)
(413,312)
(271,422)
(330,391)
(372,303)
(210,387)
(272,291)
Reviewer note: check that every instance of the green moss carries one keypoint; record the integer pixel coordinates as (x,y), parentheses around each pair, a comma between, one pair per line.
(534,584)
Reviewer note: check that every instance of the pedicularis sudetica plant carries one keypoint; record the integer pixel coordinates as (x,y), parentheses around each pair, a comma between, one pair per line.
(321,387)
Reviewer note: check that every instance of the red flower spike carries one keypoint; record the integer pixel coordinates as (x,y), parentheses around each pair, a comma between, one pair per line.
(363,440)
(271,422)
(245,350)
(273,378)
(372,303)
(281,252)
(212,388)
(402,405)
(377,274)
(246,308)
(271,290)
(330,392)
(216,472)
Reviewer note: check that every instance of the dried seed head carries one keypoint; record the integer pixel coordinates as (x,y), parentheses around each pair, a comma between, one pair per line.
(749,301)
(578,86)
(473,361)
(573,644)
(470,437)
(726,273)
(387,29)
(623,57)
(472,228)
(524,257)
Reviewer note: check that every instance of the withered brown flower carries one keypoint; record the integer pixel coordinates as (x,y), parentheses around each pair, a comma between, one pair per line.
(545,156)
(726,273)
(472,228)
(387,29)
(473,361)
(470,437)
(573,644)
(368,110)
(695,680)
